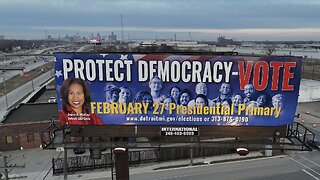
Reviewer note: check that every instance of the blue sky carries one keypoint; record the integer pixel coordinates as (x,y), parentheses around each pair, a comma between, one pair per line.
(204,19)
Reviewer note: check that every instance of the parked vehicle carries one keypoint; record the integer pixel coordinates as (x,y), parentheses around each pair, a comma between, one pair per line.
(79,150)
(52,100)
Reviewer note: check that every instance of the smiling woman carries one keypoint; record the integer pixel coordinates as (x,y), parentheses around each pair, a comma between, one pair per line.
(76,99)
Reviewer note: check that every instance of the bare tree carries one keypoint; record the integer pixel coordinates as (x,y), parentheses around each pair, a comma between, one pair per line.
(269,49)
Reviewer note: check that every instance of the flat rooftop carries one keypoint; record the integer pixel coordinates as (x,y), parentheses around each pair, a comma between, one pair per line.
(32,113)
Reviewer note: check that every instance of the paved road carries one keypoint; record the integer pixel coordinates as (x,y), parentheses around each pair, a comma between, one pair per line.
(310,116)
(300,166)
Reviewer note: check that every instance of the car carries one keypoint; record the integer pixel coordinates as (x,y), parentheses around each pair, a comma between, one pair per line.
(52,100)
(79,150)
(313,144)
(242,151)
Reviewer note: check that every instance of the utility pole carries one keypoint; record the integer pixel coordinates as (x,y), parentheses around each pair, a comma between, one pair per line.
(3,167)
(121,30)
(46,38)
(190,36)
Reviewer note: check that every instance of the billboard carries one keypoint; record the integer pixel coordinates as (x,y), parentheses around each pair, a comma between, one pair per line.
(167,89)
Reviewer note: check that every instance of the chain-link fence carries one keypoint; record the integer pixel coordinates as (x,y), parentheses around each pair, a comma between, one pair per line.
(310,68)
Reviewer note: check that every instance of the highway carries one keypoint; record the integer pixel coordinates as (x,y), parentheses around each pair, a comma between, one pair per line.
(29,63)
(16,95)
(304,166)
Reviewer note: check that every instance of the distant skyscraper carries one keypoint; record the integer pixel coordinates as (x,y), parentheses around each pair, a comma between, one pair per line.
(99,37)
(91,36)
(112,38)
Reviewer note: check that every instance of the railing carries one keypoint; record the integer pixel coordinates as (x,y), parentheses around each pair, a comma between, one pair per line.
(48,134)
(80,163)
(301,133)
(137,157)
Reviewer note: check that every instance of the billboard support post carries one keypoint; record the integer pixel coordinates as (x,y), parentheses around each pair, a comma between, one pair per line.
(191,153)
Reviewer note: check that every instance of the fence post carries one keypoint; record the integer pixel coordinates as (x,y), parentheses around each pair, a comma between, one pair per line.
(139,157)
(77,162)
(53,166)
(313,69)
(65,164)
(303,74)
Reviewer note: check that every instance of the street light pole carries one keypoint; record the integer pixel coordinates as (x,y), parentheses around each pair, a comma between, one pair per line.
(32,85)
(5,92)
(6,176)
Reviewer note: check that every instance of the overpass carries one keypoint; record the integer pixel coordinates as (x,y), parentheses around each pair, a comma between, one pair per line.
(26,54)
(12,68)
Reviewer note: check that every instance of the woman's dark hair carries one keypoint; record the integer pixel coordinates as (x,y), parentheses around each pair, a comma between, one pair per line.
(140,95)
(262,93)
(176,88)
(126,87)
(64,93)
(139,98)
(182,92)
(203,97)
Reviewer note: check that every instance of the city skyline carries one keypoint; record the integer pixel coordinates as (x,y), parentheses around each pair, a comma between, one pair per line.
(206,20)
